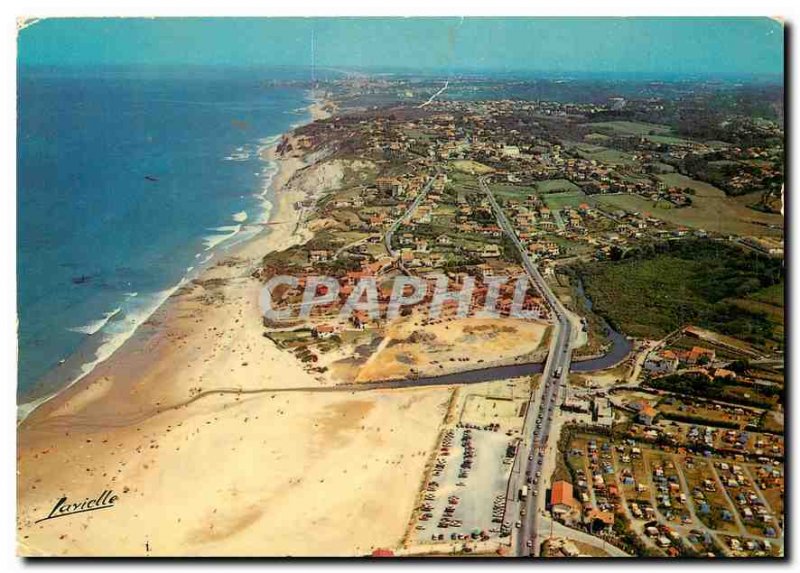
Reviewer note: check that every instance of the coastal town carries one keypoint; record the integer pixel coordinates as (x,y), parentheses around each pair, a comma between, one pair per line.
(667,437)
(498,325)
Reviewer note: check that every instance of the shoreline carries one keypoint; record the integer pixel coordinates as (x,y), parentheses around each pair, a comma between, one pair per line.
(238,473)
(258,243)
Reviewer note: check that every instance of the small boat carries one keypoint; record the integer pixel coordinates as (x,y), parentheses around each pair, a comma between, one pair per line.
(151,178)
(81,279)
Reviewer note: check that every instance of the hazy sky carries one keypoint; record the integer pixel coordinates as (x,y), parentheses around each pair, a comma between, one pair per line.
(650,45)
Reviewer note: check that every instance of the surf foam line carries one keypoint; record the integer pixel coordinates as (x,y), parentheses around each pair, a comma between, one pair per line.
(107,348)
(227,232)
(96,326)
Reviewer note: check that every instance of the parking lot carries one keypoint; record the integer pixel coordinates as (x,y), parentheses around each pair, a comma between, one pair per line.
(466,488)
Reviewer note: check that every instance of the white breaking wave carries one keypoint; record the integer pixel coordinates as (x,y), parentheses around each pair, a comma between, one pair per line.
(95,326)
(271,140)
(240,154)
(270,171)
(225,233)
(114,337)
(268,175)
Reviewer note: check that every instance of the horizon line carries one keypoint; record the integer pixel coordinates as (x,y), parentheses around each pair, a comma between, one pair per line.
(403,70)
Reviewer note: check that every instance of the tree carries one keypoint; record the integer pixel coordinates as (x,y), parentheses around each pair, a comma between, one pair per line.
(740,366)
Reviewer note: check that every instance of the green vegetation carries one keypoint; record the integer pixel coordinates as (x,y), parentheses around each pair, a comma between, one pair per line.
(630,128)
(700,188)
(511,191)
(290,338)
(773,295)
(556,185)
(768,302)
(667,139)
(658,167)
(698,384)
(658,289)
(721,172)
(710,210)
(605,155)
(473,167)
(596,137)
(567,198)
(509,250)
(460,185)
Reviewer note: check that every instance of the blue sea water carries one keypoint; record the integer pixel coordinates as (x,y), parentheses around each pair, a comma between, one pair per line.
(128,180)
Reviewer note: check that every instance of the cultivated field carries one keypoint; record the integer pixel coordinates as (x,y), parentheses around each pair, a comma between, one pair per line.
(711,210)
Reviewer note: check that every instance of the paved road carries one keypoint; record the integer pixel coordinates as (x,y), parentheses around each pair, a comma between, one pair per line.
(538,439)
(343,248)
(387,238)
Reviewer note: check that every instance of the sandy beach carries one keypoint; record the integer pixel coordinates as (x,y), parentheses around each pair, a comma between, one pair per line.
(181,424)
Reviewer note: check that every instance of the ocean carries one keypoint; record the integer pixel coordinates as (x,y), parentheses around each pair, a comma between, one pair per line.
(128,181)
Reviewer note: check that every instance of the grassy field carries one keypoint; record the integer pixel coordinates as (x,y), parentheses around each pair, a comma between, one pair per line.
(773,295)
(710,212)
(630,127)
(646,298)
(691,282)
(555,192)
(587,147)
(461,179)
(666,139)
(555,186)
(469,166)
(770,303)
(567,198)
(573,247)
(595,137)
(700,188)
(609,156)
(512,191)
(662,167)
(418,135)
